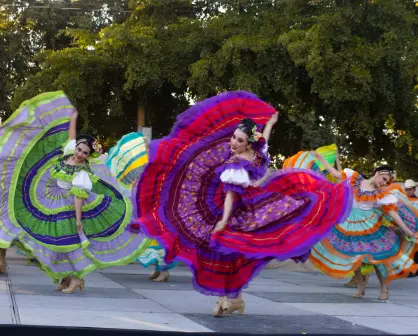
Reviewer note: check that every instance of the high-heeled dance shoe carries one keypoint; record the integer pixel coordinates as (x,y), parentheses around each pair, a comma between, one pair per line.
(359,294)
(384,295)
(63,284)
(220,307)
(154,275)
(352,283)
(74,285)
(235,305)
(162,277)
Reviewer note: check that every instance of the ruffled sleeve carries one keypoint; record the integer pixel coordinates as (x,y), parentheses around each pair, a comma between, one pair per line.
(347,173)
(234,174)
(69,147)
(388,203)
(81,184)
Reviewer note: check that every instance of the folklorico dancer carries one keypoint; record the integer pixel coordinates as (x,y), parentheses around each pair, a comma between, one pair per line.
(408,207)
(198,197)
(407,210)
(363,238)
(61,206)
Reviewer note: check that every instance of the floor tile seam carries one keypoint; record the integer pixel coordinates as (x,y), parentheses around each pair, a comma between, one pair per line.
(102,310)
(367,301)
(379,330)
(366,315)
(407,305)
(158,303)
(312,313)
(81,297)
(401,305)
(287,282)
(364,326)
(14,309)
(120,284)
(170,312)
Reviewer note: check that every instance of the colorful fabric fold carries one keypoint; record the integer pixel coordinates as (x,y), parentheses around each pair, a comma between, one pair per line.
(180,198)
(39,216)
(295,215)
(305,160)
(126,161)
(365,239)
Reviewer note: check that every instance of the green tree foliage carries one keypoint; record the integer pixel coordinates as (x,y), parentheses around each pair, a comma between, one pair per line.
(29,27)
(338,70)
(362,59)
(353,63)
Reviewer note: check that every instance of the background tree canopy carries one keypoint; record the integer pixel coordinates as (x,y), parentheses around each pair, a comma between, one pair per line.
(340,71)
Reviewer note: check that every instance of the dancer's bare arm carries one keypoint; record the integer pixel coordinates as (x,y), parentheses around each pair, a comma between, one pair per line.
(228,203)
(334,172)
(269,126)
(72,131)
(338,162)
(399,222)
(78,203)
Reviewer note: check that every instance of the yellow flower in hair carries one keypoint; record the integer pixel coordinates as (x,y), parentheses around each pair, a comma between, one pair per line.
(98,150)
(257,136)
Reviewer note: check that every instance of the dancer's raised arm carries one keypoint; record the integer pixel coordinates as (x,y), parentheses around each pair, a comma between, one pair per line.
(338,161)
(72,131)
(334,172)
(269,126)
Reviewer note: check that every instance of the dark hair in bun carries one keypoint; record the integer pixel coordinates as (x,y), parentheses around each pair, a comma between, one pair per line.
(246,125)
(384,168)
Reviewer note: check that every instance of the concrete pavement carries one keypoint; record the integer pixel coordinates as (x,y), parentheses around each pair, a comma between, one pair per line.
(278,301)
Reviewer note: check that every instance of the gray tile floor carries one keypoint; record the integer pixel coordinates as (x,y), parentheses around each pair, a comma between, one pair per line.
(277,302)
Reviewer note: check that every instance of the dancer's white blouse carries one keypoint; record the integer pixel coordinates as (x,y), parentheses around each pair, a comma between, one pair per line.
(369,205)
(239,176)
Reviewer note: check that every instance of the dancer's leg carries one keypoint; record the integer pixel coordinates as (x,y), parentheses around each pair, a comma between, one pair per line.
(384,290)
(360,284)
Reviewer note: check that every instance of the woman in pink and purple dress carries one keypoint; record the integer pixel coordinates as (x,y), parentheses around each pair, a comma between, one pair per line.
(199,198)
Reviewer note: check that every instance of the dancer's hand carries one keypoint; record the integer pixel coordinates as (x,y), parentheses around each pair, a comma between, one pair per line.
(316,155)
(220,226)
(273,118)
(411,234)
(79,226)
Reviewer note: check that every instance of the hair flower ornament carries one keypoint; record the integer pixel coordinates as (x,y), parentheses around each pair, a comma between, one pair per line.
(98,149)
(257,140)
